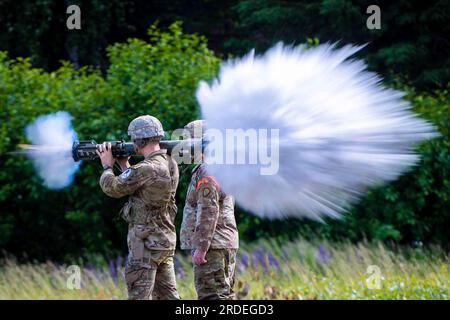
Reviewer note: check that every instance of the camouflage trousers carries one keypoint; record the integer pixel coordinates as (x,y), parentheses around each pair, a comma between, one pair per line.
(149,272)
(214,280)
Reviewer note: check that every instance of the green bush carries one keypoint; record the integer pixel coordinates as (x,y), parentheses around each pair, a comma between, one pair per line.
(159,77)
(156,77)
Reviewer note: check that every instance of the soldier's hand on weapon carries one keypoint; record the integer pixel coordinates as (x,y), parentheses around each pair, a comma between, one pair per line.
(199,256)
(104,151)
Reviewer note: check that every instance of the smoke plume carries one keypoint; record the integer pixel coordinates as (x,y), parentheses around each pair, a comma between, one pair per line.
(340,131)
(52,136)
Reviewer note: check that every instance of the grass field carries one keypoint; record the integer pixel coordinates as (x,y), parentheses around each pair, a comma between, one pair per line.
(266,270)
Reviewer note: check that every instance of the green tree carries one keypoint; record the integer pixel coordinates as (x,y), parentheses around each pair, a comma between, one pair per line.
(413,39)
(157,77)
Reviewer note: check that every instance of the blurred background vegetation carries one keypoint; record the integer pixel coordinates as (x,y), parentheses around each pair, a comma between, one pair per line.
(131,58)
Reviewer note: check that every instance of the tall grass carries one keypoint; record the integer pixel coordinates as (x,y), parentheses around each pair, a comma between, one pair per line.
(265,270)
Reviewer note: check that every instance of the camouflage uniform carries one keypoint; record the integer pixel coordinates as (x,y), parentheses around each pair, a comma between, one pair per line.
(150,211)
(209,225)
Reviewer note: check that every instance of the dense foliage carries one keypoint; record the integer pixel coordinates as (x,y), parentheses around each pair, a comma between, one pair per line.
(413,40)
(159,76)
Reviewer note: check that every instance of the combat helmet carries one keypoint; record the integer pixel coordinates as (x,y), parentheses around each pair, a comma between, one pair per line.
(196,129)
(145,127)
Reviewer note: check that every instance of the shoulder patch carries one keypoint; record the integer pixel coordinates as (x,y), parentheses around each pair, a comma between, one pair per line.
(124,175)
(207,180)
(206,192)
(202,181)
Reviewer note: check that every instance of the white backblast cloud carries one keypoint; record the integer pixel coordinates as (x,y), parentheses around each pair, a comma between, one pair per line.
(52,136)
(340,131)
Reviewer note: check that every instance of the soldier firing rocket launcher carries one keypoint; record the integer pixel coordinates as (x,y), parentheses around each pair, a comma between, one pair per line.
(340,132)
(85,150)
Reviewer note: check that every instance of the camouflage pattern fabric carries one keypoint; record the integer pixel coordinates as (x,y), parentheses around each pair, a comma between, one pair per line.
(151,185)
(214,280)
(153,275)
(209,225)
(208,215)
(145,127)
(150,212)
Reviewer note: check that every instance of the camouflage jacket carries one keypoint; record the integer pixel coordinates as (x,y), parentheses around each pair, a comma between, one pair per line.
(208,215)
(151,185)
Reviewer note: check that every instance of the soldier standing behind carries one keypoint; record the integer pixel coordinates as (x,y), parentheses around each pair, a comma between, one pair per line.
(150,211)
(209,231)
